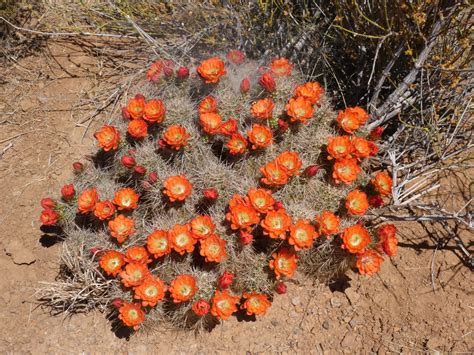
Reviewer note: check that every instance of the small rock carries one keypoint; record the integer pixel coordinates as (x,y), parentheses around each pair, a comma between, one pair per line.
(352,295)
(355,322)
(42,99)
(326,324)
(293,314)
(299,309)
(27,104)
(348,341)
(274,323)
(19,254)
(434,344)
(295,301)
(335,303)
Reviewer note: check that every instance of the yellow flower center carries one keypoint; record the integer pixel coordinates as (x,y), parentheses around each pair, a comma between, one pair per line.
(185,290)
(214,249)
(301,234)
(132,314)
(182,239)
(178,189)
(151,291)
(355,239)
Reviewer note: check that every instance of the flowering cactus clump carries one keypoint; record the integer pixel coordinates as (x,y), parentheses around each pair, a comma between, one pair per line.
(219,183)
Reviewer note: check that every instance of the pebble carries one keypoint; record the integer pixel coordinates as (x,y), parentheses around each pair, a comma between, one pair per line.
(335,303)
(348,341)
(295,301)
(326,324)
(352,295)
(274,323)
(355,322)
(19,253)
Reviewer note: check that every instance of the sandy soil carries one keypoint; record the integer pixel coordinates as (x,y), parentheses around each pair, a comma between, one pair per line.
(421,301)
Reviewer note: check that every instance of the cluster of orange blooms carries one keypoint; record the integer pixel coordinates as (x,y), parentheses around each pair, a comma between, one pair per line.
(254,215)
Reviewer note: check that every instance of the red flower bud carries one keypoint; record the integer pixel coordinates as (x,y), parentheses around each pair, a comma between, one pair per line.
(229,127)
(68,191)
(311,170)
(376,133)
(153,177)
(235,56)
(117,302)
(201,307)
(245,86)
(282,125)
(77,167)
(49,217)
(168,67)
(225,280)
(211,194)
(132,152)
(278,205)
(48,203)
(280,288)
(182,73)
(262,70)
(140,170)
(128,162)
(139,97)
(126,114)
(146,185)
(245,238)
(95,250)
(161,143)
(267,82)
(376,201)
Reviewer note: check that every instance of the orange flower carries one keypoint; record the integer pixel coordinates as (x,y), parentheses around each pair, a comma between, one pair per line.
(237,144)
(355,239)
(242,217)
(289,162)
(260,136)
(150,292)
(299,109)
(181,238)
(229,127)
(202,227)
(224,304)
(310,91)
(138,129)
(388,239)
(49,217)
(134,274)
(108,138)
(111,262)
(154,111)
(87,200)
(374,149)
(261,200)
(273,175)
(213,249)
(126,199)
(283,263)
(183,288)
(136,107)
(177,188)
(360,113)
(276,224)
(362,147)
(137,254)
(339,147)
(210,122)
(262,109)
(131,315)
(176,136)
(211,70)
(237,200)
(235,56)
(281,67)
(368,263)
(382,183)
(158,243)
(255,303)
(302,235)
(348,121)
(346,171)
(356,202)
(104,210)
(155,71)
(201,307)
(207,105)
(121,228)
(328,223)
